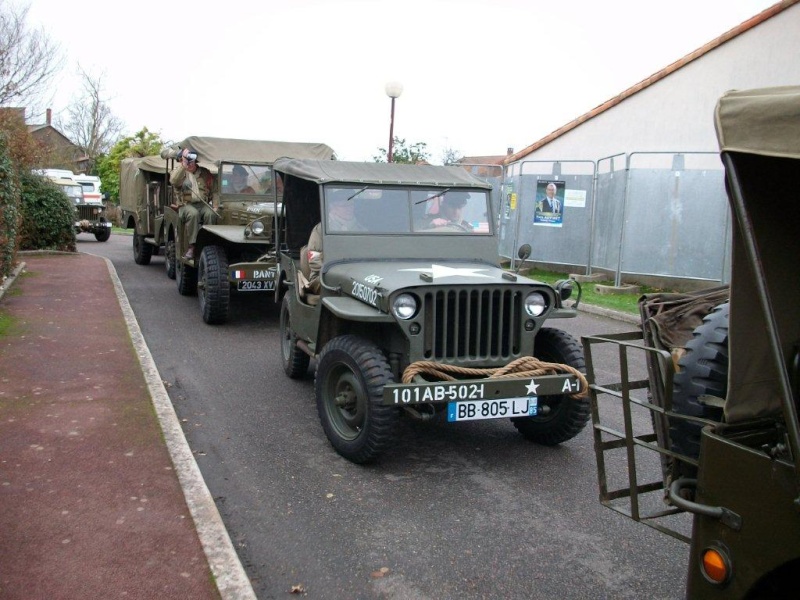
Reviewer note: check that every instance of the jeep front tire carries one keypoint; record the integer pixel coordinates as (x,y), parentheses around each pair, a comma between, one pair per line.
(561,417)
(351,374)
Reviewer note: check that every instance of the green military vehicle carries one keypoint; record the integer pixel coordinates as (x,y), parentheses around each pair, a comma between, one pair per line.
(235,254)
(90,214)
(724,396)
(414,314)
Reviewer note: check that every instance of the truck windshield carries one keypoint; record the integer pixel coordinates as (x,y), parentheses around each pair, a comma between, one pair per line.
(245,179)
(373,209)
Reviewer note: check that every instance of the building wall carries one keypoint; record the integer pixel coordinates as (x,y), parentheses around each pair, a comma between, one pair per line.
(676,113)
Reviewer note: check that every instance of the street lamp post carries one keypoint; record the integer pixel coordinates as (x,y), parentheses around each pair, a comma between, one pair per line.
(393,90)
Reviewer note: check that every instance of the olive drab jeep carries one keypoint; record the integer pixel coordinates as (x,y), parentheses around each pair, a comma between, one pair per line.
(723,397)
(90,214)
(410,313)
(235,254)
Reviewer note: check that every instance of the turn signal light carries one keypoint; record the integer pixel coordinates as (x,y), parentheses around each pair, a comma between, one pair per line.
(716,565)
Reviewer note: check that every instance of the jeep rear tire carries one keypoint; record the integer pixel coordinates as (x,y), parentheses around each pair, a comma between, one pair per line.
(561,417)
(213,287)
(349,385)
(103,234)
(169,258)
(704,371)
(142,251)
(186,278)
(295,361)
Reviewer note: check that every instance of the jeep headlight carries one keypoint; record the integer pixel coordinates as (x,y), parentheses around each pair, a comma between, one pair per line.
(535,304)
(404,306)
(257,227)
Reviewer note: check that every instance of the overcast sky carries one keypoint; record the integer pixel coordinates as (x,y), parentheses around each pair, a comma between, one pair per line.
(478,76)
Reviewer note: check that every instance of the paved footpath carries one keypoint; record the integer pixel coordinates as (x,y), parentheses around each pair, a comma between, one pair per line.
(100,496)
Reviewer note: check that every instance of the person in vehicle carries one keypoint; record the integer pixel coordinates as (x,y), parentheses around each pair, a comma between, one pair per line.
(450,209)
(194,186)
(239,181)
(341,218)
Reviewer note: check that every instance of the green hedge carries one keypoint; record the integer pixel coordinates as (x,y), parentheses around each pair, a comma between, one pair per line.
(9,201)
(47,216)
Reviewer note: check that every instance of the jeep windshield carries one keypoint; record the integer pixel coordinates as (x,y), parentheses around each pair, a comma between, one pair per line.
(241,179)
(75,192)
(420,211)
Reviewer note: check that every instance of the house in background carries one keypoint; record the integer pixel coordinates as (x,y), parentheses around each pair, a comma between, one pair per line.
(55,150)
(62,153)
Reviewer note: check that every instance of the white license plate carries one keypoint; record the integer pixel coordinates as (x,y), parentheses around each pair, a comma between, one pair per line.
(255,286)
(474,410)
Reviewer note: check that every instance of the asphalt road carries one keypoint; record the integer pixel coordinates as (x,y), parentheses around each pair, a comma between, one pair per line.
(463,511)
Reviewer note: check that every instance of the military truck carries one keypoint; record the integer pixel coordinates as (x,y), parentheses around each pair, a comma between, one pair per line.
(724,397)
(414,314)
(89,212)
(236,254)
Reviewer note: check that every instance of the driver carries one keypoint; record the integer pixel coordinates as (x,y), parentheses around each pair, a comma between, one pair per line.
(450,209)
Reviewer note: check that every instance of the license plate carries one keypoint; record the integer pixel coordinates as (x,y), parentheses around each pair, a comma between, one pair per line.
(475,410)
(255,286)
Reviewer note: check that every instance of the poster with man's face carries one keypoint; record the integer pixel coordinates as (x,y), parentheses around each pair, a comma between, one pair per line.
(549,203)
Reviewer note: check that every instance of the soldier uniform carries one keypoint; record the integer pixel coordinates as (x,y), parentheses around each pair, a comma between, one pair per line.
(195,192)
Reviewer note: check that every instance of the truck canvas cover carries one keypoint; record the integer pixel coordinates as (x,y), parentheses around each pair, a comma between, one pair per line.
(212,151)
(132,183)
(759,134)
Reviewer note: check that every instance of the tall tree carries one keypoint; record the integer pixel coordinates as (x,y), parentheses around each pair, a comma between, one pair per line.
(404,153)
(90,123)
(28,58)
(142,143)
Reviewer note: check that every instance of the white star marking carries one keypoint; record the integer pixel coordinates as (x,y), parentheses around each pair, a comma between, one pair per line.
(532,387)
(441,271)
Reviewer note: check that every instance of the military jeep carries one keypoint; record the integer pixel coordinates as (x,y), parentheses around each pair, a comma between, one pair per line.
(414,314)
(235,254)
(89,213)
(723,396)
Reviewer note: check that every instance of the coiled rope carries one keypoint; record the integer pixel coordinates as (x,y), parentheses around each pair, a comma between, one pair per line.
(525,366)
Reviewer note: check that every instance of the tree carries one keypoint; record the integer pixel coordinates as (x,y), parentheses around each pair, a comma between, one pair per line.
(90,123)
(28,58)
(451,156)
(142,143)
(402,153)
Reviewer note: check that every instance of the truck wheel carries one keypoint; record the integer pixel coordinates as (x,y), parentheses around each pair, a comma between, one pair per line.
(295,361)
(186,278)
(704,370)
(349,384)
(142,251)
(561,417)
(213,287)
(103,234)
(169,258)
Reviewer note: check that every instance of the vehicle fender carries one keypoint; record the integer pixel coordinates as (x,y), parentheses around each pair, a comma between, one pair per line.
(350,309)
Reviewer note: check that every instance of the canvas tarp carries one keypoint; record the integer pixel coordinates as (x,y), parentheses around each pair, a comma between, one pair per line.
(762,121)
(212,151)
(132,183)
(379,173)
(759,137)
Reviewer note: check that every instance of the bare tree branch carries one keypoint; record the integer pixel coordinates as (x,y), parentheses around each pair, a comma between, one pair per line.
(90,123)
(28,58)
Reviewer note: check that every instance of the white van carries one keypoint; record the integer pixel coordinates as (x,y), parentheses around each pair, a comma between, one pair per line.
(89,183)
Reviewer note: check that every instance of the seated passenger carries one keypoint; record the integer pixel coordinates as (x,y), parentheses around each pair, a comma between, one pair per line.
(341,218)
(239,181)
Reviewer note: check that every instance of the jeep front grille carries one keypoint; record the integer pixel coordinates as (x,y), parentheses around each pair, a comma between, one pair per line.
(481,323)
(87,211)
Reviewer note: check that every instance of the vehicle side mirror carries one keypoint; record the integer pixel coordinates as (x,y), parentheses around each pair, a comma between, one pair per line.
(524,252)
